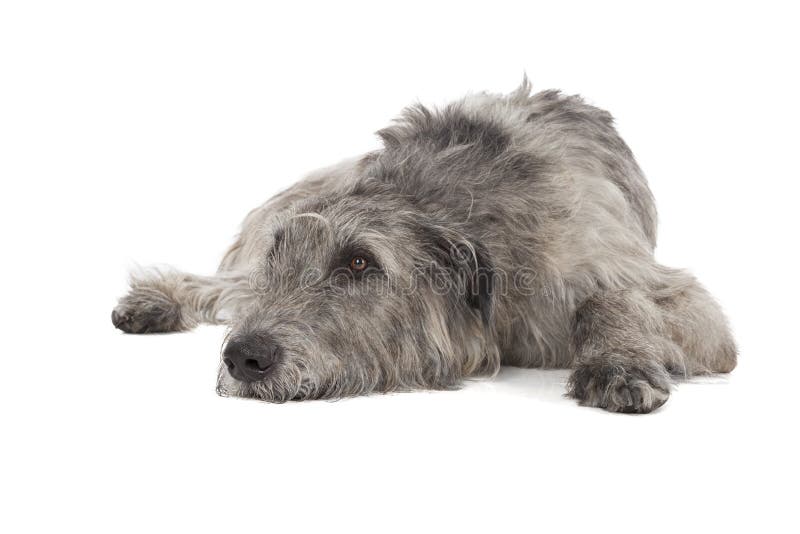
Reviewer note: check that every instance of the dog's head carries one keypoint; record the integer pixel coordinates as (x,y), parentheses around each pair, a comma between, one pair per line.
(358,292)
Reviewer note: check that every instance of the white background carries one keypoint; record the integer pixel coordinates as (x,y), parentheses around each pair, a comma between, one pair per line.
(142,132)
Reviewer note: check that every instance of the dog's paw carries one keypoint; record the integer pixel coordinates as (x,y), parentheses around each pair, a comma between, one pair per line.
(620,385)
(148,310)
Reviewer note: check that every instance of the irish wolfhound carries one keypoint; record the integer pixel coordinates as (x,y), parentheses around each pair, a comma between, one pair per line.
(500,230)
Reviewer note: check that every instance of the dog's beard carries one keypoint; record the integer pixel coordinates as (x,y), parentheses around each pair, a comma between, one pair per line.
(285,384)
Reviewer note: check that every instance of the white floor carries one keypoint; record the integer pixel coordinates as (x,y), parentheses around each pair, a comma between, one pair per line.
(145,443)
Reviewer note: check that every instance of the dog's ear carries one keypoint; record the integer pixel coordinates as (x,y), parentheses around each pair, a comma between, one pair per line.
(469,266)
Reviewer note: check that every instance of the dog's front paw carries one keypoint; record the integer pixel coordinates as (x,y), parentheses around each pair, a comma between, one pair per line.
(148,310)
(620,385)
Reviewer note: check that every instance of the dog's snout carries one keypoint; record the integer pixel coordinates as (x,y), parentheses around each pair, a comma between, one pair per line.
(251,358)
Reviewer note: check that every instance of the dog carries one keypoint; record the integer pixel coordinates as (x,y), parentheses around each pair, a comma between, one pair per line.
(498,230)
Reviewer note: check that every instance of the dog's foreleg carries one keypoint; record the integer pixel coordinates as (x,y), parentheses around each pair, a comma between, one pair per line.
(621,351)
(170,301)
(627,344)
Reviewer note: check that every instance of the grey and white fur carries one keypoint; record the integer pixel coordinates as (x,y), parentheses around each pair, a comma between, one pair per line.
(499,230)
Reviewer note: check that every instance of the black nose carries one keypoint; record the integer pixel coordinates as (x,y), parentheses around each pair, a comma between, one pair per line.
(251,358)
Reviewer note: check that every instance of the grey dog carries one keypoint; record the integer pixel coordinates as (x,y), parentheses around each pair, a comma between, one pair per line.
(499,230)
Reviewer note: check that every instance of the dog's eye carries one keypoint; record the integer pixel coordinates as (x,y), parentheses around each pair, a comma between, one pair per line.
(358,263)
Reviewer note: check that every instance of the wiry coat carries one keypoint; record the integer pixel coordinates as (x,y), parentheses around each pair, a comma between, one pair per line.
(533,210)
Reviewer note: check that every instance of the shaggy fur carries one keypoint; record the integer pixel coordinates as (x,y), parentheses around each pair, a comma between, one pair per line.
(500,230)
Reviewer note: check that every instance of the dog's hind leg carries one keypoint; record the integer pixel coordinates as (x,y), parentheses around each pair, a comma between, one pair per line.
(171,301)
(627,344)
